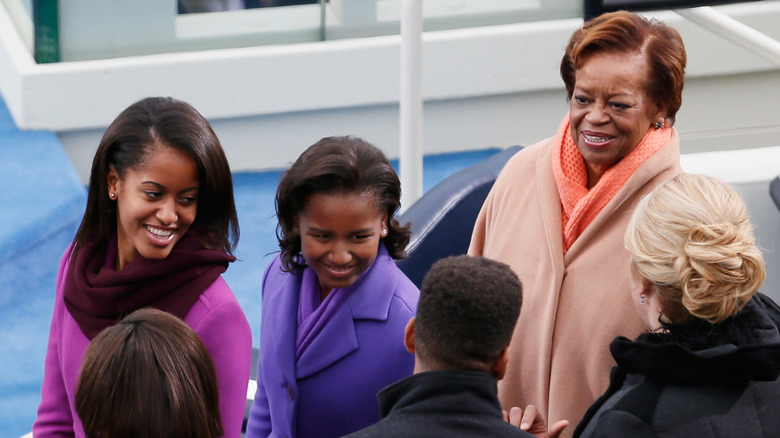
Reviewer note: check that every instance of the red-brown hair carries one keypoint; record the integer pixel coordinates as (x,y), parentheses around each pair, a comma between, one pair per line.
(626,32)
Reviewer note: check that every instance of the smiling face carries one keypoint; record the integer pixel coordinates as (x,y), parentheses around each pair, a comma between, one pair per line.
(610,110)
(156,204)
(340,236)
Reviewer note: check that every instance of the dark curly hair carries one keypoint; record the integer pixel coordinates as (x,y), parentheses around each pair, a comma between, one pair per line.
(338,165)
(467,313)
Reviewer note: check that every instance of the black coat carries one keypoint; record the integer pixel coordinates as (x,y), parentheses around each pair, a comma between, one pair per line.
(699,380)
(441,404)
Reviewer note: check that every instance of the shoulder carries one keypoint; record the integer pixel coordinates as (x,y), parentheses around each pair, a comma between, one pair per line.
(525,158)
(218,294)
(385,289)
(384,292)
(659,167)
(66,256)
(275,275)
(63,269)
(405,294)
(216,307)
(522,166)
(631,401)
(720,405)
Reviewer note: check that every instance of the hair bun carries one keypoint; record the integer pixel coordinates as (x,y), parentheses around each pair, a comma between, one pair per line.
(717,270)
(692,238)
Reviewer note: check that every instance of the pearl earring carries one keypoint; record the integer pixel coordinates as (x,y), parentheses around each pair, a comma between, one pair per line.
(384,232)
(112,195)
(642,298)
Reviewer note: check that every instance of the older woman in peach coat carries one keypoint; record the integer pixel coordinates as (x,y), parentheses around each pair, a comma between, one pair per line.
(558,211)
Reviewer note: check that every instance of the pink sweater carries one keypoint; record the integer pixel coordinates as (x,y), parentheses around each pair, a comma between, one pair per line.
(216,317)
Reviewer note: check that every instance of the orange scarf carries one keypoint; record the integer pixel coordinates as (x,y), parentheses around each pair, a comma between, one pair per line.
(579,206)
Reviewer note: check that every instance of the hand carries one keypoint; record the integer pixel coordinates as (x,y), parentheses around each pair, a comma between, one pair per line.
(532,422)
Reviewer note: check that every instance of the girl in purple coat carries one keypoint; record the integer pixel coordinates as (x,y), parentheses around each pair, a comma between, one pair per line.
(158,231)
(334,303)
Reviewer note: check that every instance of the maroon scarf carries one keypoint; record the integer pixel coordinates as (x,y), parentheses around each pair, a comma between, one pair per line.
(97,296)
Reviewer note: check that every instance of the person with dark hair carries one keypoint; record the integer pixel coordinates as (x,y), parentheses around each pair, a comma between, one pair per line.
(148,376)
(567,200)
(159,229)
(460,338)
(707,364)
(334,302)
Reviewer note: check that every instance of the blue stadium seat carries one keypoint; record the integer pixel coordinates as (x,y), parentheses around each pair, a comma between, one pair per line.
(443,218)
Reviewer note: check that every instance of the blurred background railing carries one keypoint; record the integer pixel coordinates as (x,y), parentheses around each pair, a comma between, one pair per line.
(88,30)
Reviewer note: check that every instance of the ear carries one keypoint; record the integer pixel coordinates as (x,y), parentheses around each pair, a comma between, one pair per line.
(651,294)
(660,113)
(409,336)
(652,306)
(112,180)
(499,368)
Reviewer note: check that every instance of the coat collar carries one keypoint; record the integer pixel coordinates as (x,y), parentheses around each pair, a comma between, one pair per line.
(550,201)
(743,347)
(455,392)
(370,299)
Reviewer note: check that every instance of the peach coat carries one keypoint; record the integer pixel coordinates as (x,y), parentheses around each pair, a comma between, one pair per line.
(573,305)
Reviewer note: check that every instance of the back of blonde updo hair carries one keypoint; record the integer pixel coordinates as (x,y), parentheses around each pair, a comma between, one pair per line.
(692,239)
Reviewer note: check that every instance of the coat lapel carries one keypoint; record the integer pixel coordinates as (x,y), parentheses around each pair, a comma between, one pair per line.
(550,206)
(370,299)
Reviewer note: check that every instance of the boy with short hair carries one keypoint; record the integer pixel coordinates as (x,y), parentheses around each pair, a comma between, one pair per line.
(465,318)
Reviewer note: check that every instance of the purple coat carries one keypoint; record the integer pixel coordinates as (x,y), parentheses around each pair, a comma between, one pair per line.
(332,389)
(217,319)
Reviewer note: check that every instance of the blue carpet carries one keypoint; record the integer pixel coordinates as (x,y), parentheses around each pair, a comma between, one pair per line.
(24,330)
(41,193)
(39,213)
(40,206)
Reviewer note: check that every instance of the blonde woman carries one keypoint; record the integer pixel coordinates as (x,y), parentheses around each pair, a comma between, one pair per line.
(709,364)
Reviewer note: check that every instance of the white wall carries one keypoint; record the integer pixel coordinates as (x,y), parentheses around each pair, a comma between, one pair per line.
(492,86)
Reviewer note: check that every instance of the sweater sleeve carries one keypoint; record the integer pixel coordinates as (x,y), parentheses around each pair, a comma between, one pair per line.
(54,417)
(226,334)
